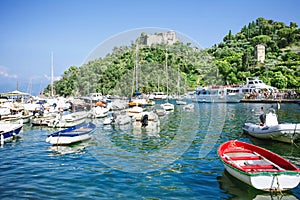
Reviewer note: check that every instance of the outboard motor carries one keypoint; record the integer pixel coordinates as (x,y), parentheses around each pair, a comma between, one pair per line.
(144,120)
(262,118)
(113,118)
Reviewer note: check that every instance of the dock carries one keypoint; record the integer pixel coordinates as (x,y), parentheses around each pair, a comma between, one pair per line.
(270,101)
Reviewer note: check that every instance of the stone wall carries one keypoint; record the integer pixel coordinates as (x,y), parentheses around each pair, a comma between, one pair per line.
(159,38)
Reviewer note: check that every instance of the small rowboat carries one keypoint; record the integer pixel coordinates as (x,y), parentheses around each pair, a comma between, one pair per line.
(72,135)
(258,167)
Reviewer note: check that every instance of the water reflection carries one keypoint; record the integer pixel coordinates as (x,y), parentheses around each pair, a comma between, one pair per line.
(71,149)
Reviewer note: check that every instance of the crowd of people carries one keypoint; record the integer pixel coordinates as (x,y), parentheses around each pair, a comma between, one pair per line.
(287,94)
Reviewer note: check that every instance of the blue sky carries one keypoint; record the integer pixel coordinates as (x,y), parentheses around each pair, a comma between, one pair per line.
(31,29)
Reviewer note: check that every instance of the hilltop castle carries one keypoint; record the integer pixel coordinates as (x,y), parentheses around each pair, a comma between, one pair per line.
(159,38)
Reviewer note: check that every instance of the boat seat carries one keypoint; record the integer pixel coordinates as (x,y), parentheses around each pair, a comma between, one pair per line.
(245,158)
(238,151)
(258,167)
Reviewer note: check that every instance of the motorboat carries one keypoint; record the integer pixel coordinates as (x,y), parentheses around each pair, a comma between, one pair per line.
(67,120)
(269,128)
(8,131)
(167,106)
(72,134)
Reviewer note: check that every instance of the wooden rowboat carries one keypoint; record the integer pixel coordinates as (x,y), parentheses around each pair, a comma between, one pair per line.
(72,135)
(258,167)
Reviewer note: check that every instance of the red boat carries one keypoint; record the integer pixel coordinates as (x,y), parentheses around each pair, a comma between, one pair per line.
(258,167)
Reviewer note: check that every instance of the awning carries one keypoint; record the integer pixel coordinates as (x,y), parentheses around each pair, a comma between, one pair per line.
(15,93)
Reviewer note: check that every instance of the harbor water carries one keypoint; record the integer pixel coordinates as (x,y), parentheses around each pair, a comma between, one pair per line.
(179,161)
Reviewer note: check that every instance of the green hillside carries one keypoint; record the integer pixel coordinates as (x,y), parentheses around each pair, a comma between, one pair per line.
(228,62)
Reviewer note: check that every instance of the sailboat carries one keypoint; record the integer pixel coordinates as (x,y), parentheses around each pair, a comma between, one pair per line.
(139,100)
(167,106)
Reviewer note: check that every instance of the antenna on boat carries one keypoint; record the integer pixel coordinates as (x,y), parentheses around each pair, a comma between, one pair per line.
(52,74)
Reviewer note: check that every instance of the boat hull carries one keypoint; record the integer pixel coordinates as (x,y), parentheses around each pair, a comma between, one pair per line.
(282,132)
(72,135)
(258,167)
(236,98)
(266,182)
(9,131)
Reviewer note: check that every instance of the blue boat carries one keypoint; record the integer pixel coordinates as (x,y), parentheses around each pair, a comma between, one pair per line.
(72,135)
(9,131)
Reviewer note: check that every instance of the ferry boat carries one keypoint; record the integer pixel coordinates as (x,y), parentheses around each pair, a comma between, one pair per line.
(231,93)
(255,85)
(218,94)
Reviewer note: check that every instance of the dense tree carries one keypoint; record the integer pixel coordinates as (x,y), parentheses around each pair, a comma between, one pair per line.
(228,62)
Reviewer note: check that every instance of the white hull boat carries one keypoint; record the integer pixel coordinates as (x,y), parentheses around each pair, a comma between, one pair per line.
(9,131)
(167,106)
(271,129)
(72,135)
(68,120)
(99,112)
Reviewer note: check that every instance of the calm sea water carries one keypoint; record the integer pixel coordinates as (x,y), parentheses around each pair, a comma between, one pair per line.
(179,162)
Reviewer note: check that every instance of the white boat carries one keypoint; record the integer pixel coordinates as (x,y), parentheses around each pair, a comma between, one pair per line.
(254,85)
(269,128)
(99,111)
(218,94)
(147,122)
(68,120)
(9,131)
(167,106)
(180,102)
(72,134)
(132,111)
(157,96)
(258,167)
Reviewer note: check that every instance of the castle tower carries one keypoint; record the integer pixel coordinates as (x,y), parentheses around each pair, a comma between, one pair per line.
(260,53)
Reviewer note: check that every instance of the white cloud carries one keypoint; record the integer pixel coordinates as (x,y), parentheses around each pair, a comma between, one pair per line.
(4,73)
(55,78)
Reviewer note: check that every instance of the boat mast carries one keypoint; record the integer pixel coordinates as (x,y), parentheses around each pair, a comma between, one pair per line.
(178,82)
(136,68)
(167,72)
(52,74)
